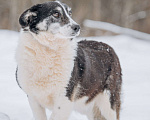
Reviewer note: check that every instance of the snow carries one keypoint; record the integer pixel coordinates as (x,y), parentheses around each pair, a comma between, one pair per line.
(4,116)
(116,29)
(134,55)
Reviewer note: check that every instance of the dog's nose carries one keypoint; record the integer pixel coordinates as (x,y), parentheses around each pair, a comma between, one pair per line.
(76,28)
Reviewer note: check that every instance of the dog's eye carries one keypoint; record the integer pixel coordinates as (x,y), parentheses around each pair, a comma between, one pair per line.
(56,15)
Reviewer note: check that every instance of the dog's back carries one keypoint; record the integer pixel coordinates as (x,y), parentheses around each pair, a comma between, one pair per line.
(96,70)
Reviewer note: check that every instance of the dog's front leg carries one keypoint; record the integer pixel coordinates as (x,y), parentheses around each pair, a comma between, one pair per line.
(62,109)
(37,109)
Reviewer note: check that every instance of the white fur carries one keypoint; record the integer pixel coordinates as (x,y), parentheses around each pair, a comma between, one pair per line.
(81,106)
(59,9)
(103,102)
(38,111)
(75,92)
(69,9)
(42,25)
(44,71)
(30,14)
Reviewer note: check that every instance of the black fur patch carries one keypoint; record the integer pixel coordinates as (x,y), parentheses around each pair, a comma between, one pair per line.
(96,68)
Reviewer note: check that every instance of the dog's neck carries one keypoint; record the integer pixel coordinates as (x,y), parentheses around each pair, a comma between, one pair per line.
(50,41)
(57,55)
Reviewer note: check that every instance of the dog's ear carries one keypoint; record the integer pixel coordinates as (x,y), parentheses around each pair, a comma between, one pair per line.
(26,18)
(29,15)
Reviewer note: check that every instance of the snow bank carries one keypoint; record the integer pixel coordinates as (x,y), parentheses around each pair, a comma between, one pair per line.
(135,61)
(116,29)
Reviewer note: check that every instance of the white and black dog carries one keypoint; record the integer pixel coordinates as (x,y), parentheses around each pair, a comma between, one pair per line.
(62,75)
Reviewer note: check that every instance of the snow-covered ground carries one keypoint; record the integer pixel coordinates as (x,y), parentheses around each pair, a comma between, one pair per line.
(134,56)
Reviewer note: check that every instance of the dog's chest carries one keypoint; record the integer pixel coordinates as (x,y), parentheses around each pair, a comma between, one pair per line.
(45,71)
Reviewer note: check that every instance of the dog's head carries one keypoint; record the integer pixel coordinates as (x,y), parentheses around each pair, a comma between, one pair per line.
(50,17)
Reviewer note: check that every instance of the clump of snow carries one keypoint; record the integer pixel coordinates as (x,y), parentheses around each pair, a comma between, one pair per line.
(134,56)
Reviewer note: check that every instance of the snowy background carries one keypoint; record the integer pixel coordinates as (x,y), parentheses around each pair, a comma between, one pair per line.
(134,55)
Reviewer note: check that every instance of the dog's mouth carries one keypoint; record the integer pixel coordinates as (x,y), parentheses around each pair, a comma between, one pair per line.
(68,35)
(75,34)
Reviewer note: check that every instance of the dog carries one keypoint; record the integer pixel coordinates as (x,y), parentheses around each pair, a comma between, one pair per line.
(62,75)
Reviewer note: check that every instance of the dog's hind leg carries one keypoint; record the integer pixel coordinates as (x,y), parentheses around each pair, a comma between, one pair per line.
(97,114)
(104,105)
(38,111)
